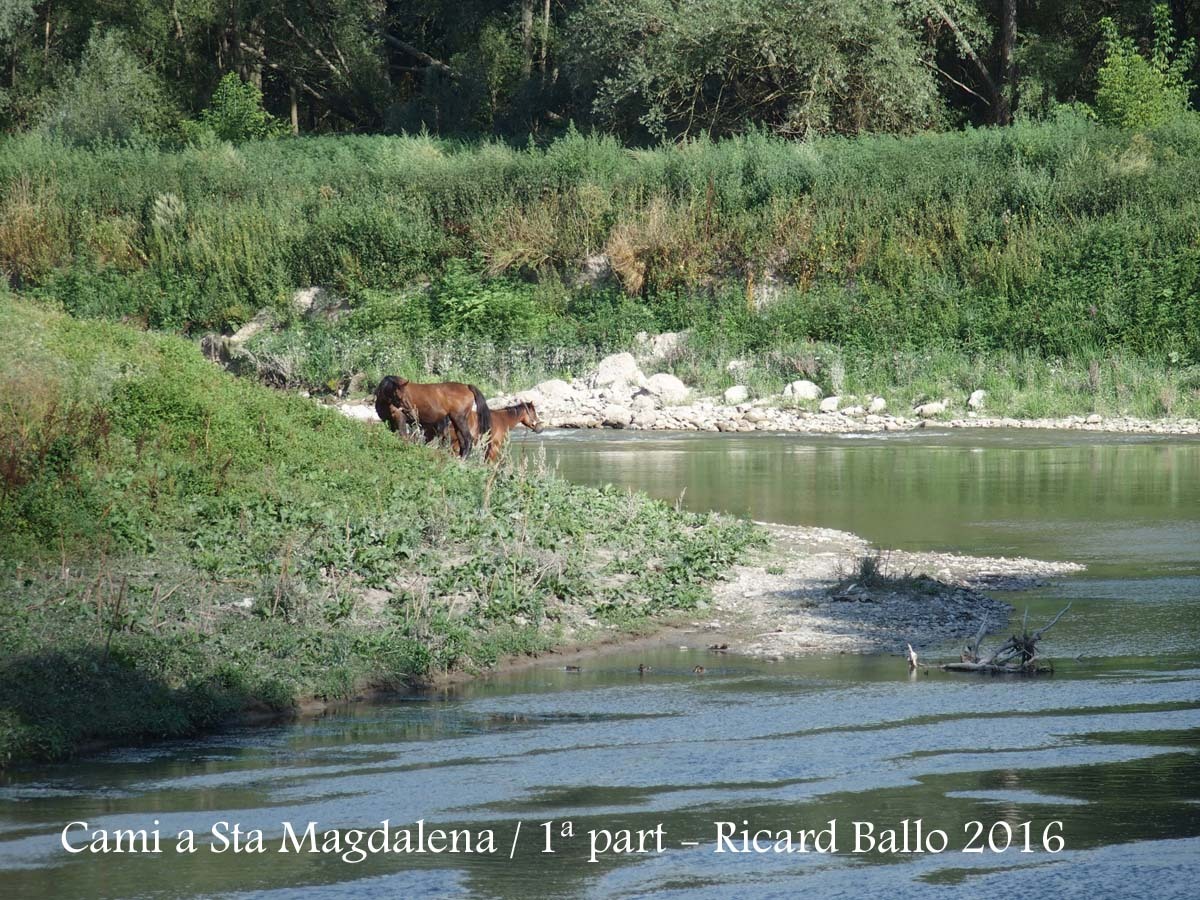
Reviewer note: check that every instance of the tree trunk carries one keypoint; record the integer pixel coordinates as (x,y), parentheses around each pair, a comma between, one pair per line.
(295,110)
(526,37)
(545,37)
(1007,94)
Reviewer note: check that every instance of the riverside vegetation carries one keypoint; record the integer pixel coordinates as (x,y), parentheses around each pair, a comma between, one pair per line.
(1056,265)
(181,545)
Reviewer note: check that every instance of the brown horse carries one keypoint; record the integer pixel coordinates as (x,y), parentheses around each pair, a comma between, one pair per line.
(503,421)
(435,408)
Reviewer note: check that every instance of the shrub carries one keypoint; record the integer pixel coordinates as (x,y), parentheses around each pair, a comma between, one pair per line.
(1135,92)
(235,114)
(112,98)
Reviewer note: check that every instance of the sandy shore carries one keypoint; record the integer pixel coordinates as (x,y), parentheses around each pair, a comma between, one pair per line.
(802,596)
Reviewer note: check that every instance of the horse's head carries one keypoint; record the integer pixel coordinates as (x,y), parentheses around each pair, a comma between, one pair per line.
(529,417)
(391,389)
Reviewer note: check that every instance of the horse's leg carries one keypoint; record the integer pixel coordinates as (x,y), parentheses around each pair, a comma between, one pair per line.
(463,427)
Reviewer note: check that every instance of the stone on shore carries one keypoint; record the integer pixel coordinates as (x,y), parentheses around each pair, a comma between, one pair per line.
(802,390)
(667,388)
(556,391)
(831,404)
(619,372)
(975,401)
(616,416)
(929,410)
(877,405)
(739,393)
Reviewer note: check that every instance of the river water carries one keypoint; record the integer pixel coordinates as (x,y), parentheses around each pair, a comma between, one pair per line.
(1103,755)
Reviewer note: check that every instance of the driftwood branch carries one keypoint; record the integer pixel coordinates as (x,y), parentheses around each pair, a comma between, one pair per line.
(1017,655)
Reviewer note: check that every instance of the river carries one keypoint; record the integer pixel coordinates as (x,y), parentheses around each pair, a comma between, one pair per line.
(1103,754)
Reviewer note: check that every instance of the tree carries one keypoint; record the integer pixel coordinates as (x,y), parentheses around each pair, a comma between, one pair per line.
(1134,91)
(112,97)
(716,67)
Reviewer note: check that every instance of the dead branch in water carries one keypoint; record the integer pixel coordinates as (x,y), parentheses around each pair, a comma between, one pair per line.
(1018,655)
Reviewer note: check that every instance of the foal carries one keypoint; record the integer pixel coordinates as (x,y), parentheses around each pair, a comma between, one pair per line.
(503,421)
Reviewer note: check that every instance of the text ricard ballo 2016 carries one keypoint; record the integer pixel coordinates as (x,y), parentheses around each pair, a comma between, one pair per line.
(352,845)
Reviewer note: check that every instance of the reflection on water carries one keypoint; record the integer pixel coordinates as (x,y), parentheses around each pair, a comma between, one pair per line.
(1108,745)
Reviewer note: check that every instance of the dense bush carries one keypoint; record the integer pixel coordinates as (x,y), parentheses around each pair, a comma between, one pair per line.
(1050,238)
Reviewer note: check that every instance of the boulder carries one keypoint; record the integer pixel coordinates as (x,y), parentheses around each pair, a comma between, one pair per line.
(616,416)
(931,409)
(596,270)
(556,391)
(667,345)
(646,418)
(739,393)
(667,388)
(802,390)
(619,371)
(975,401)
(737,365)
(877,405)
(830,404)
(1094,419)
(261,321)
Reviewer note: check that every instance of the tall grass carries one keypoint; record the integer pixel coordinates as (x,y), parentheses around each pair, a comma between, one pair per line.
(1058,238)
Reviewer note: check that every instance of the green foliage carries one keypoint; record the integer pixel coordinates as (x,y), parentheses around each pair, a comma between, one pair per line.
(235,114)
(1133,91)
(1058,238)
(112,97)
(180,543)
(715,67)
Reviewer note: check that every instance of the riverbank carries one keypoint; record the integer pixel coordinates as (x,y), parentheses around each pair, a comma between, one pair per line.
(182,546)
(617,393)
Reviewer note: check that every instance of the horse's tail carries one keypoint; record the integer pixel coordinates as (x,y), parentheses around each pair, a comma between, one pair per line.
(481,410)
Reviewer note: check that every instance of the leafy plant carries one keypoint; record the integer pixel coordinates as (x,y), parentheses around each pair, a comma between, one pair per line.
(235,114)
(1134,91)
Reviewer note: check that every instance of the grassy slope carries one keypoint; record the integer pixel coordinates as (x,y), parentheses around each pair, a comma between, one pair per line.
(180,544)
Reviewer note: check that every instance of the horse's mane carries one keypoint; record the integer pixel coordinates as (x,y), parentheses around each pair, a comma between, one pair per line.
(389,387)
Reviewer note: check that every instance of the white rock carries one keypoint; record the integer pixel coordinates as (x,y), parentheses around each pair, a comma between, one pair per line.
(556,391)
(877,405)
(616,416)
(261,321)
(754,414)
(830,404)
(596,270)
(533,396)
(929,410)
(618,370)
(802,390)
(667,388)
(667,344)
(363,412)
(739,393)
(1094,419)
(975,401)
(737,365)
(644,400)
(645,418)
(853,411)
